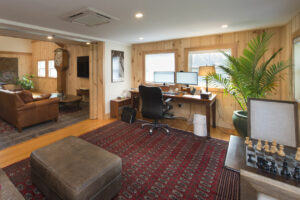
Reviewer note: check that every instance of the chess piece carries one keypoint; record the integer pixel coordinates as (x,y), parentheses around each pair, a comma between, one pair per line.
(297,173)
(247,140)
(266,166)
(250,158)
(258,145)
(273,168)
(250,146)
(274,147)
(267,147)
(297,156)
(260,162)
(285,171)
(281,151)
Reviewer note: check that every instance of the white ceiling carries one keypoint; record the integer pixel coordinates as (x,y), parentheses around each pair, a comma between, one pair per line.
(163,19)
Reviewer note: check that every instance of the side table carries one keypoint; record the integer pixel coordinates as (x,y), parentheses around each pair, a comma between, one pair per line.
(115,104)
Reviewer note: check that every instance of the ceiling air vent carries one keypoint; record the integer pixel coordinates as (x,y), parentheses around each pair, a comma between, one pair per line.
(90,17)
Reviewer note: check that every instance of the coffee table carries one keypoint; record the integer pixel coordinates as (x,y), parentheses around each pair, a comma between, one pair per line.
(67,99)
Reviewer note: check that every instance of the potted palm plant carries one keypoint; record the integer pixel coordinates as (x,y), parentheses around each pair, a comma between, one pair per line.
(248,76)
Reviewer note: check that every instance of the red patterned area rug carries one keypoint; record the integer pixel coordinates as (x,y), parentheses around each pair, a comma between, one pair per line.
(176,166)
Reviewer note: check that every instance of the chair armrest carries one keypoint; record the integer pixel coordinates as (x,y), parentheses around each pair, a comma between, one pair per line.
(35,104)
(168,100)
(27,106)
(46,101)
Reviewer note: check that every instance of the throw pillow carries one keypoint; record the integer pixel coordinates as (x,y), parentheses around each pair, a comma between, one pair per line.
(26,96)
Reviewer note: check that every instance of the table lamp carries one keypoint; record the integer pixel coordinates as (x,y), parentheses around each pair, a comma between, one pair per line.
(205,71)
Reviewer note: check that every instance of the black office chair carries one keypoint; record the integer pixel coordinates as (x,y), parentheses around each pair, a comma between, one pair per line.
(154,107)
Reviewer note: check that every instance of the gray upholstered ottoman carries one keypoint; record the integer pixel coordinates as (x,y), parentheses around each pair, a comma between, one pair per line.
(75,169)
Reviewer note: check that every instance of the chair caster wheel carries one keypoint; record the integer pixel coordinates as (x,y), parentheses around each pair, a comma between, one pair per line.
(150,132)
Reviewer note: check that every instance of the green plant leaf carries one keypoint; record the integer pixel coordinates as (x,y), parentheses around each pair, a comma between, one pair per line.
(247,76)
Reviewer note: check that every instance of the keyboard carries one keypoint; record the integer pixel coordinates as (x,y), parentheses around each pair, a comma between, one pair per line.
(171,93)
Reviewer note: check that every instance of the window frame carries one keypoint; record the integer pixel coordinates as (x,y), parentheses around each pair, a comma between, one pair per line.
(37,67)
(144,53)
(232,47)
(190,68)
(46,68)
(291,75)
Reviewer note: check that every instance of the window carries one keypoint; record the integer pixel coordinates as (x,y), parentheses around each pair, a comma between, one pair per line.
(158,62)
(52,73)
(203,58)
(42,68)
(296,55)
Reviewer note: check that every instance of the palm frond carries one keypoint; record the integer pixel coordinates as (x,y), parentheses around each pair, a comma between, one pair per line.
(246,76)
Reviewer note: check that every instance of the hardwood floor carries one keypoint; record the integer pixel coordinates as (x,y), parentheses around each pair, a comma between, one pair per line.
(21,151)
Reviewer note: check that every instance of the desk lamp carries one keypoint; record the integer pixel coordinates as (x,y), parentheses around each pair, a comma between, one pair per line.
(205,71)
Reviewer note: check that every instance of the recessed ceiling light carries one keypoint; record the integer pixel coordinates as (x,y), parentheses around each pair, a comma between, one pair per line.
(50,37)
(139,15)
(141,38)
(88,43)
(224,26)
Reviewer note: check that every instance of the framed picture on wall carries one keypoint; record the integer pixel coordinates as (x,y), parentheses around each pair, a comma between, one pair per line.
(117,66)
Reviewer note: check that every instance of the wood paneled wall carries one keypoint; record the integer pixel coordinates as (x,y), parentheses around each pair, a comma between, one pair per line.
(73,82)
(97,83)
(24,61)
(45,51)
(238,41)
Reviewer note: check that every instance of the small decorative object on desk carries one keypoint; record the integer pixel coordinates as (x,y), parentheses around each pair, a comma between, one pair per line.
(297,156)
(266,146)
(274,147)
(258,145)
(247,140)
(281,151)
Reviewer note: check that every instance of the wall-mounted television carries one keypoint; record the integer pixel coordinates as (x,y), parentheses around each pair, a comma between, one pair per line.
(83,66)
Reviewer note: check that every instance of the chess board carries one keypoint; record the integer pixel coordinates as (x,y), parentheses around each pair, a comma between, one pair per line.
(273,164)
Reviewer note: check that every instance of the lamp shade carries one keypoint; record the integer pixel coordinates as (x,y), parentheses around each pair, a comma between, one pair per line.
(206,70)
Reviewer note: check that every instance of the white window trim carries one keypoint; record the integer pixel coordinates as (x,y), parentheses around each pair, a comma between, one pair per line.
(37,65)
(155,53)
(46,68)
(48,72)
(190,68)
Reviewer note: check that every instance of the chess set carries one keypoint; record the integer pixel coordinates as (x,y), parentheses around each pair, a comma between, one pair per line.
(272,160)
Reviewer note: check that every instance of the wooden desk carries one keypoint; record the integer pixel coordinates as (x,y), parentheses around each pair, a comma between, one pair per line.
(210,105)
(115,104)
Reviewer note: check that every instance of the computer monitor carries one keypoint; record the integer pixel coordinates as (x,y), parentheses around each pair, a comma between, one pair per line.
(164,77)
(187,78)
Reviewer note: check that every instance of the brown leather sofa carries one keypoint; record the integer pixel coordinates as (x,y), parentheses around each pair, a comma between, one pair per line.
(20,114)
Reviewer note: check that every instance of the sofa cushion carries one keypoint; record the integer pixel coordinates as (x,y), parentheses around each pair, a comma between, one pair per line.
(75,169)
(26,96)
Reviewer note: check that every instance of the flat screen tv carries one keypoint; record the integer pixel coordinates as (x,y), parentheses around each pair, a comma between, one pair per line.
(83,66)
